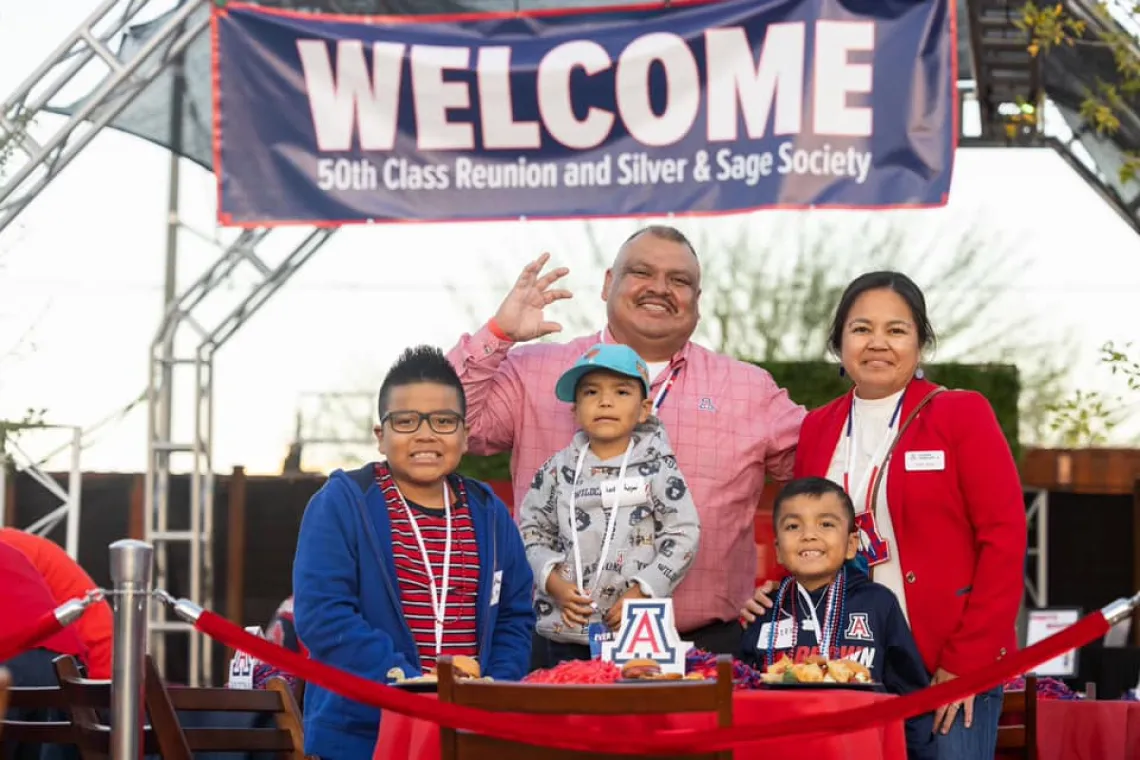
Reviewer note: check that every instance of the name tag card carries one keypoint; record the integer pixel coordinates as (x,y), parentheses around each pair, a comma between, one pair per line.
(784,631)
(925,461)
(634,492)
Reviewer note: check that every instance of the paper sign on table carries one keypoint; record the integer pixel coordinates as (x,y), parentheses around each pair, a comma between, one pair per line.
(648,632)
(242,665)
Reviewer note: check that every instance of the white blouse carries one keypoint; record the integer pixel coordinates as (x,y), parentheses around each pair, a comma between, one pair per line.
(871,426)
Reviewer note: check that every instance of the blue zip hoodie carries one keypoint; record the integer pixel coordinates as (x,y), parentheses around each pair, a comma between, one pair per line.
(873,632)
(347,604)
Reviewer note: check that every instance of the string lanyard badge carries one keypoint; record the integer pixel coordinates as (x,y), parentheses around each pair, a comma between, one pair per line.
(438,597)
(863,489)
(611,523)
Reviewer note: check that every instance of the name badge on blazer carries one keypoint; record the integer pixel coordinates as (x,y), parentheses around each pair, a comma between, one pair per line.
(925,461)
(633,493)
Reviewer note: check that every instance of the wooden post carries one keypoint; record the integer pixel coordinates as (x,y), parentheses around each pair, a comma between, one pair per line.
(10,495)
(136,515)
(235,551)
(1136,559)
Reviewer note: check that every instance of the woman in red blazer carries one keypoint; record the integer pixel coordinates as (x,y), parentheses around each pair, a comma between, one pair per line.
(942,517)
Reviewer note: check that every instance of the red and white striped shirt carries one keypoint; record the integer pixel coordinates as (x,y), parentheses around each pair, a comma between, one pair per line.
(459,628)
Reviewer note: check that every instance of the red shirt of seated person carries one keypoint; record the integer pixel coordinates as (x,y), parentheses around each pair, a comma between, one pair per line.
(67,580)
(25,598)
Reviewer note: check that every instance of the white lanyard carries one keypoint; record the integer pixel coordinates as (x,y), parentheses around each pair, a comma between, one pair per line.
(822,637)
(611,524)
(438,598)
(861,490)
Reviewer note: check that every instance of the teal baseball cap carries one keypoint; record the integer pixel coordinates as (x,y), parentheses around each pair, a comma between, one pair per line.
(614,357)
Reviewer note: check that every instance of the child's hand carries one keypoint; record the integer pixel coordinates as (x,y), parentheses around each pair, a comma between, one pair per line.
(576,608)
(613,617)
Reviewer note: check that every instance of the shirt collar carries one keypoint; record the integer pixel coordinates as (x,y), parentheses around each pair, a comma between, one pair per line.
(680,356)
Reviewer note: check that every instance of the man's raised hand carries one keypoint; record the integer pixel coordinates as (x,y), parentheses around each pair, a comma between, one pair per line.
(520,315)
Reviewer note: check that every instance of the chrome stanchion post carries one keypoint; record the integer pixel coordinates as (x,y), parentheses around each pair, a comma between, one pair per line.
(132,564)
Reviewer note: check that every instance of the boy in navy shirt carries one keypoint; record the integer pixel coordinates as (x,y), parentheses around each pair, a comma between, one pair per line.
(829,610)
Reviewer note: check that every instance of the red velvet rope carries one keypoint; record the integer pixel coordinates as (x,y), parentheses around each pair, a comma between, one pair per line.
(688,741)
(28,637)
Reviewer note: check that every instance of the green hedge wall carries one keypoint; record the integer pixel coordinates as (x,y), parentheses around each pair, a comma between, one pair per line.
(813,384)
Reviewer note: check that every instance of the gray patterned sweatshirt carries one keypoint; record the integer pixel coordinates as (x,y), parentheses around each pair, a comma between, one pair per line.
(655,537)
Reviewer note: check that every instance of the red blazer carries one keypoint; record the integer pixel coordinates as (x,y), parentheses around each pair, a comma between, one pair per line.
(961,531)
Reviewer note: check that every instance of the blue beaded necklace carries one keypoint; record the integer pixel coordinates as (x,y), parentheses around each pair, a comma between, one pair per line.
(827,640)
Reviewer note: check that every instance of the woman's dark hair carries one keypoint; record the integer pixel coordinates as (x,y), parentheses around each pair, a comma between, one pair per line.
(896,281)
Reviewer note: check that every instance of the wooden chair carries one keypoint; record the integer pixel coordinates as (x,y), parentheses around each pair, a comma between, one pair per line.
(88,703)
(42,700)
(163,734)
(631,699)
(5,682)
(1020,739)
(285,738)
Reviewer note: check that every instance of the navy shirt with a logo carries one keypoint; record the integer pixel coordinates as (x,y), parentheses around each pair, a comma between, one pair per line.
(873,632)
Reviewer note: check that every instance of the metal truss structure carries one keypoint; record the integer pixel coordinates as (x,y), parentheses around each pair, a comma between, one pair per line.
(1037,559)
(91,43)
(199,319)
(13,453)
(187,341)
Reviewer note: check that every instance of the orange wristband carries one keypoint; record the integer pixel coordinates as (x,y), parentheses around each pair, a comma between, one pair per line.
(497,331)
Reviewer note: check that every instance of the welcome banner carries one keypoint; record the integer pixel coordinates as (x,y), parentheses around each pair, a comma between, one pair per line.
(693,108)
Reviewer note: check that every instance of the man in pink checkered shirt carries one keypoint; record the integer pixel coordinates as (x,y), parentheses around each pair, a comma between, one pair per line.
(730,424)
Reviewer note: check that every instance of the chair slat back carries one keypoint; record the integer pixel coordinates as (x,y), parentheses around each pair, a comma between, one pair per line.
(1020,736)
(286,737)
(707,696)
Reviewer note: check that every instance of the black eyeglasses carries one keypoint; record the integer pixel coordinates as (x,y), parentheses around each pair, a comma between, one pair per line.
(443,423)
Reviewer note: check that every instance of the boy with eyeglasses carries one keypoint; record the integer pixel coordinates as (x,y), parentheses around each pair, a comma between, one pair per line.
(403,561)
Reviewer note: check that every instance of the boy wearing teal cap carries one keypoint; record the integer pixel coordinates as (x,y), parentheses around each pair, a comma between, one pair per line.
(608,518)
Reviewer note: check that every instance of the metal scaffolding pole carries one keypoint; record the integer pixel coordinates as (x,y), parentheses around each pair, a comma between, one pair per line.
(43,161)
(13,452)
(165,419)
(41,158)
(235,263)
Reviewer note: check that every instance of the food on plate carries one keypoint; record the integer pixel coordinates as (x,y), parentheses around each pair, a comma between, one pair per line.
(648,670)
(576,673)
(466,667)
(640,668)
(848,671)
(808,672)
(599,672)
(396,674)
(428,677)
(816,669)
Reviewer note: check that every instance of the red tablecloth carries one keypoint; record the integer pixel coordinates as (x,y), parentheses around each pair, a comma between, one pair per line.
(1079,730)
(403,738)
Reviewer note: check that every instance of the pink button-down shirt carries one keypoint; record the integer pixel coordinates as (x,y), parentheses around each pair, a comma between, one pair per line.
(728,421)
